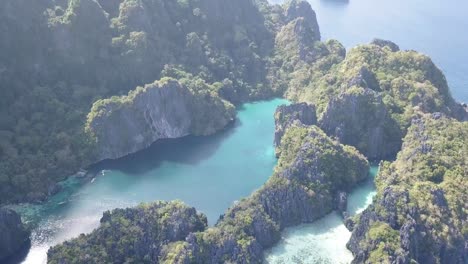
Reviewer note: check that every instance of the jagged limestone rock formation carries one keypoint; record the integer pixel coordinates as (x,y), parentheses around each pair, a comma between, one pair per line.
(298,47)
(419,214)
(14,235)
(289,115)
(312,171)
(312,168)
(301,9)
(60,56)
(358,117)
(368,99)
(134,235)
(163,109)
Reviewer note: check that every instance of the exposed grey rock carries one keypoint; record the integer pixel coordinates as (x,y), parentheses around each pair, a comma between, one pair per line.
(341,203)
(366,79)
(300,8)
(14,235)
(54,189)
(164,109)
(300,192)
(417,241)
(360,118)
(287,115)
(298,38)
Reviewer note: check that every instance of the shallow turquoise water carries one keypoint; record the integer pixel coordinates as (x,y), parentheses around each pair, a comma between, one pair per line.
(209,173)
(323,241)
(437,28)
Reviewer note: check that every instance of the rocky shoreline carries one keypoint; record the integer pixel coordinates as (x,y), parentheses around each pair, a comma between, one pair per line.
(312,171)
(371,102)
(419,211)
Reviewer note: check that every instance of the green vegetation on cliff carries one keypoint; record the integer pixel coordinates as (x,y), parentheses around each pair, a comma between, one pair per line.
(167,108)
(135,235)
(59,57)
(312,169)
(368,97)
(420,211)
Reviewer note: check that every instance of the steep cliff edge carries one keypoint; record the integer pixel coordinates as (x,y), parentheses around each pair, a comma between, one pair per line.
(134,235)
(14,235)
(419,214)
(358,117)
(289,115)
(163,109)
(60,56)
(368,99)
(312,168)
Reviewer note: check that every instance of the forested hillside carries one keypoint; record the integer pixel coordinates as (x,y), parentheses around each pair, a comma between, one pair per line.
(65,62)
(58,57)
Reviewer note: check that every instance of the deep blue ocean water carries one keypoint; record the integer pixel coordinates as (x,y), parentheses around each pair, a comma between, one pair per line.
(438,28)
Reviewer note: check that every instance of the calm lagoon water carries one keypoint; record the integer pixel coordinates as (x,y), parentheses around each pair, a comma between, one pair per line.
(209,173)
(438,28)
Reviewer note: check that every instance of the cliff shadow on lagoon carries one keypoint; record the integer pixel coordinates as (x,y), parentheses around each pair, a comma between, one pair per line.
(19,256)
(187,150)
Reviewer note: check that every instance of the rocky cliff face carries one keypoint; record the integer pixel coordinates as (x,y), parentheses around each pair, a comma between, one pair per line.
(135,235)
(300,8)
(289,115)
(419,211)
(14,235)
(164,109)
(368,99)
(70,53)
(312,169)
(358,117)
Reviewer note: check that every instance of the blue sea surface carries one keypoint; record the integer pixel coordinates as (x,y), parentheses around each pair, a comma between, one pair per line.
(437,28)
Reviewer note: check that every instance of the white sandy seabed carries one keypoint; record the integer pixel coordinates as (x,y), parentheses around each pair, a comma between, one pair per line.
(324,241)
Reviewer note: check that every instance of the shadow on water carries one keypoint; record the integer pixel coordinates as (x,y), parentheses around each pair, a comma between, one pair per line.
(20,255)
(187,150)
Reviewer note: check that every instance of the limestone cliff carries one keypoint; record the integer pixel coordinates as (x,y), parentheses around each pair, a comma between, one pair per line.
(312,171)
(358,117)
(419,213)
(163,109)
(14,235)
(312,168)
(289,115)
(368,99)
(133,235)
(60,56)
